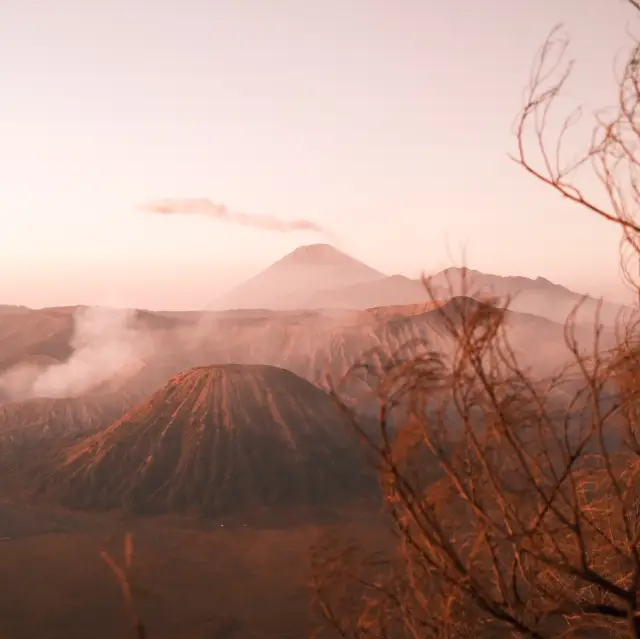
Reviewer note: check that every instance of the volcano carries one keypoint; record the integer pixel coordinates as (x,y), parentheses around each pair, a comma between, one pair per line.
(218,440)
(285,284)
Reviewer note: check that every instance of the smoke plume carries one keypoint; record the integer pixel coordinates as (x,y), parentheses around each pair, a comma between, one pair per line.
(204,206)
(105,344)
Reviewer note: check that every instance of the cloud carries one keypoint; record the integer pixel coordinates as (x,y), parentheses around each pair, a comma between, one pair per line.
(206,207)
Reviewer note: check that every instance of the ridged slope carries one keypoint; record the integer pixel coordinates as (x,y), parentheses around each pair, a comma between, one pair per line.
(36,419)
(218,439)
(31,429)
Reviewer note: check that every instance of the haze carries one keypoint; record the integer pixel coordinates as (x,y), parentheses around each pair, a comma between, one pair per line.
(385,123)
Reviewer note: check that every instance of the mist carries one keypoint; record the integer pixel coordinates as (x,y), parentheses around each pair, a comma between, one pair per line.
(105,344)
(206,207)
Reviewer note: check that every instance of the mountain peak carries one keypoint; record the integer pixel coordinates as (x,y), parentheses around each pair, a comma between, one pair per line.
(286,283)
(324,254)
(314,249)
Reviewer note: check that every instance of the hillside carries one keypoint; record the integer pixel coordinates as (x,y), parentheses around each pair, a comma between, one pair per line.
(217,439)
(286,284)
(52,418)
(30,429)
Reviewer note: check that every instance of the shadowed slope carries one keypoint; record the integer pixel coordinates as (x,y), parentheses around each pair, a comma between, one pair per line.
(218,439)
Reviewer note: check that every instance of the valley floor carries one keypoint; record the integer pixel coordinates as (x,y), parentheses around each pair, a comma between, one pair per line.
(193,579)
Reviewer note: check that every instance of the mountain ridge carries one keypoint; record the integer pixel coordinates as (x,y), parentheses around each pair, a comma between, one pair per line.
(319,276)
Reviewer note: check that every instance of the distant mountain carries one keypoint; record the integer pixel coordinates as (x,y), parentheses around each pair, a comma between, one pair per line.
(391,290)
(218,439)
(287,283)
(321,277)
(536,296)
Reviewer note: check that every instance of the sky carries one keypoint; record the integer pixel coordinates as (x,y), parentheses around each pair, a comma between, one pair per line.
(389,123)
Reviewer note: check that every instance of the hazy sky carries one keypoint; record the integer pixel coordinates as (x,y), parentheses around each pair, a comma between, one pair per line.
(387,121)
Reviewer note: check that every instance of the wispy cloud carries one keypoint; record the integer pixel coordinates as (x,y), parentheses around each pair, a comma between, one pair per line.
(205,206)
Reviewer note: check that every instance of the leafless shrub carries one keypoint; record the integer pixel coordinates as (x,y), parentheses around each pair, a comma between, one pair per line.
(515,500)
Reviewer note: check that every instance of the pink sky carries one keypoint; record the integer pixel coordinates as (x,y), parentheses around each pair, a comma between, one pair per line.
(387,122)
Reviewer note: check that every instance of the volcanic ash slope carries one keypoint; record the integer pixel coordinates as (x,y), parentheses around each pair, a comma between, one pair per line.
(31,429)
(215,440)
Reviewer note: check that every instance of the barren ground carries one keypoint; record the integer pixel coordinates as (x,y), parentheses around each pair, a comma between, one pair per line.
(246,578)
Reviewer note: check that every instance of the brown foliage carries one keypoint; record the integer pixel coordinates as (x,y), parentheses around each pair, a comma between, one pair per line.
(515,500)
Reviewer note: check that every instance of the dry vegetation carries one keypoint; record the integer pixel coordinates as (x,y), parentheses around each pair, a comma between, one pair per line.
(512,519)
